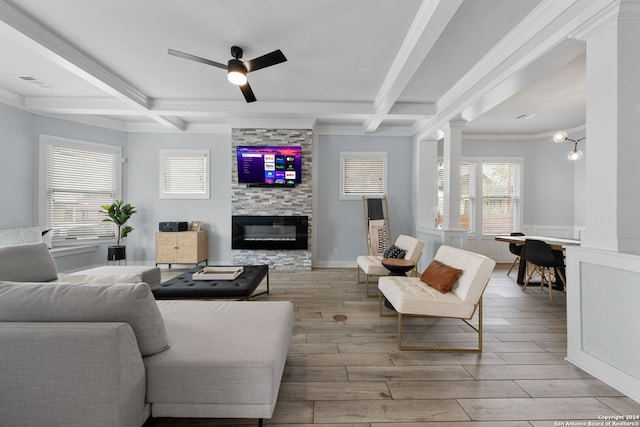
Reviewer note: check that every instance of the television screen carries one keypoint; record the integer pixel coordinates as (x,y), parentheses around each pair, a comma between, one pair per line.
(269,165)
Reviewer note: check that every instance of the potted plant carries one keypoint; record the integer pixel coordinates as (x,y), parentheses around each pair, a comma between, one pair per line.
(119,213)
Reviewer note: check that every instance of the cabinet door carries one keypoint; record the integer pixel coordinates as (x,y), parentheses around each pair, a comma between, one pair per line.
(187,247)
(166,247)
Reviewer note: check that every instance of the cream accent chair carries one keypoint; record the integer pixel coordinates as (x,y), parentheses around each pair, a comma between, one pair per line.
(371,265)
(412,297)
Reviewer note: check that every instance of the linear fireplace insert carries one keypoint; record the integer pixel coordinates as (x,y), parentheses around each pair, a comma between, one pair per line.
(269,232)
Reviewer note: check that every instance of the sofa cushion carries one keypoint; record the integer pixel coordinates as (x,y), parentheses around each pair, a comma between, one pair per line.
(149,274)
(20,236)
(440,276)
(59,302)
(226,358)
(108,279)
(27,263)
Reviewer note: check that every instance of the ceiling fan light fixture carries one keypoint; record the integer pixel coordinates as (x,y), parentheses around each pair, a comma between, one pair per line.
(560,137)
(237,73)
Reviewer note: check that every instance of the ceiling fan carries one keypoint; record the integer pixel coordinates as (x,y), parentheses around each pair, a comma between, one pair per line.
(236,69)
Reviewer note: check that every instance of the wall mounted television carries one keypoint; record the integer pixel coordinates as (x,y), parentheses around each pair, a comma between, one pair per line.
(269,165)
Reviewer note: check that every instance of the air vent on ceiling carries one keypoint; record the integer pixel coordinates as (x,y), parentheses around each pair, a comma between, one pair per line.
(525,116)
(36,82)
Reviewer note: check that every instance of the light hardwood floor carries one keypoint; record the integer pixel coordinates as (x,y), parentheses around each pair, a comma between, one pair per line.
(349,372)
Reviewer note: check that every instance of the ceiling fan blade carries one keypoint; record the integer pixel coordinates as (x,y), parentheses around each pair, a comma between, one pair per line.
(196,58)
(247,92)
(267,60)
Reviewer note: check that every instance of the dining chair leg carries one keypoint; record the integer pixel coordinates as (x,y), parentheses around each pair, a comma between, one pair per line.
(526,282)
(516,261)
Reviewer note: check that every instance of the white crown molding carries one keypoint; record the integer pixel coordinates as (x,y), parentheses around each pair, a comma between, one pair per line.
(193,128)
(12,99)
(357,130)
(97,121)
(271,123)
(520,136)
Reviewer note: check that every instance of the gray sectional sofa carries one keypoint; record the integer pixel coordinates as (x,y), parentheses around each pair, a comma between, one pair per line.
(99,354)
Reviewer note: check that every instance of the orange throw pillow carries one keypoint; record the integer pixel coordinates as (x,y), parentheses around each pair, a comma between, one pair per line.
(440,276)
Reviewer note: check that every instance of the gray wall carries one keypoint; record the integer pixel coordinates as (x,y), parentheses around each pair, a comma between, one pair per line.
(17,177)
(341,222)
(143,188)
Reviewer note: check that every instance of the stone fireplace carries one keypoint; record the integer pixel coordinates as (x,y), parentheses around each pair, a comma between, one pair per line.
(273,244)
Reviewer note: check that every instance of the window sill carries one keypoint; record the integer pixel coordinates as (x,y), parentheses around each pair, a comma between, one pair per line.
(72,250)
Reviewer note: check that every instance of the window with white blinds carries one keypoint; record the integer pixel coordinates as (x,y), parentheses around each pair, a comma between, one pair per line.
(77,178)
(184,174)
(500,198)
(363,174)
(499,184)
(467,195)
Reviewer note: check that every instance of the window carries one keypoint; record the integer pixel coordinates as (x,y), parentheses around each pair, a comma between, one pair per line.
(362,174)
(500,198)
(467,194)
(184,174)
(76,179)
(500,187)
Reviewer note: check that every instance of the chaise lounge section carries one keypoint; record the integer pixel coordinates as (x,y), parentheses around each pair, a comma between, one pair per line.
(78,354)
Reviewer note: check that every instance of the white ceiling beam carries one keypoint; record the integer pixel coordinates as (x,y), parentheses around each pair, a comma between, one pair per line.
(432,18)
(68,57)
(225,109)
(526,42)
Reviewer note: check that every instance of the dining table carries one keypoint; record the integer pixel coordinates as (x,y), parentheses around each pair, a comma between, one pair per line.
(556,243)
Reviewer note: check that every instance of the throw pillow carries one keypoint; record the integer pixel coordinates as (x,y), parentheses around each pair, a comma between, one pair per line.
(394,252)
(27,263)
(440,276)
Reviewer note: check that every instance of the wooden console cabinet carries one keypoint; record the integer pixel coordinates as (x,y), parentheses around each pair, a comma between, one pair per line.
(182,247)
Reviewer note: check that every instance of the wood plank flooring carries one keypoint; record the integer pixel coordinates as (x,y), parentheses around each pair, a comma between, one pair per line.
(349,373)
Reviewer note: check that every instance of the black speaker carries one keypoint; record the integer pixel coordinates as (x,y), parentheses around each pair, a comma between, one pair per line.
(173,226)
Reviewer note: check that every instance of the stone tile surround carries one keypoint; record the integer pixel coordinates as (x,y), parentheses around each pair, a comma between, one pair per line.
(273,201)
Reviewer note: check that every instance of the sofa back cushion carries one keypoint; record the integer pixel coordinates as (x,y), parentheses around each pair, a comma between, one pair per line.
(27,263)
(63,302)
(476,271)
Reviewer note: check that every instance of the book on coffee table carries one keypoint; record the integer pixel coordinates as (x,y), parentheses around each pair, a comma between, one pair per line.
(217,273)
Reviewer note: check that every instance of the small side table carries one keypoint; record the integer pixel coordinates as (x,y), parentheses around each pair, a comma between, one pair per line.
(398,266)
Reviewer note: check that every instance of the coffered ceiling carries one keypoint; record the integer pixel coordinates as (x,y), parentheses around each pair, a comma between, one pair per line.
(363,66)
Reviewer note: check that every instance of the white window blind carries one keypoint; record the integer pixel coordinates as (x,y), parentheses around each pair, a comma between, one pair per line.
(184,174)
(501,198)
(466,194)
(363,174)
(79,178)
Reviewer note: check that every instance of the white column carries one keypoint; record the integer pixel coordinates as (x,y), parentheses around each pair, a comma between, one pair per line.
(452,232)
(613,114)
(451,158)
(426,189)
(603,274)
